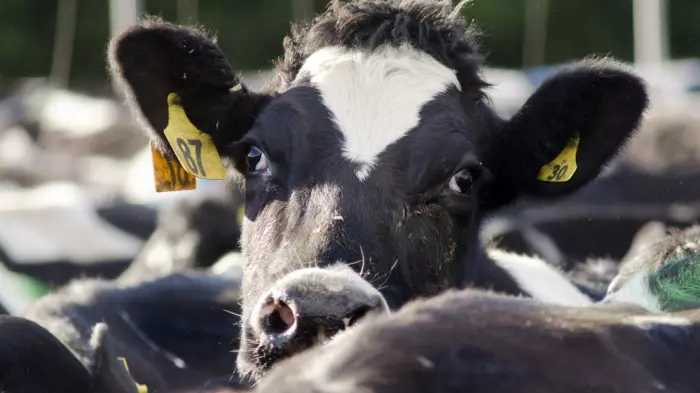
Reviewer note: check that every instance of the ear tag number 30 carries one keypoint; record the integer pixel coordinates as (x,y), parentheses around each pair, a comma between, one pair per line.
(562,168)
(194,149)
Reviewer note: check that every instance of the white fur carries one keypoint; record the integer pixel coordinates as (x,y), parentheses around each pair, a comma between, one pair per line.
(665,319)
(375,97)
(542,281)
(636,291)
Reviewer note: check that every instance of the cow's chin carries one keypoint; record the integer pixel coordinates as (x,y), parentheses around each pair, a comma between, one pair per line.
(306,308)
(254,358)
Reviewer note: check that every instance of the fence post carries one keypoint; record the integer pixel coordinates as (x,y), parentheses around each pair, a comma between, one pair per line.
(650,31)
(122,14)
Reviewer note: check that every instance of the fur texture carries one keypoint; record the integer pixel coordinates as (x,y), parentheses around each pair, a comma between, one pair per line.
(480,342)
(174,331)
(413,234)
(376,98)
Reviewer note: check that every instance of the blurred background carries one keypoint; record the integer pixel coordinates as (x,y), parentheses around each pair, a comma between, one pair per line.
(76,182)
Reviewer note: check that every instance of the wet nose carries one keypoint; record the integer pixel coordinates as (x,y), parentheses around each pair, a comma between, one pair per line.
(284,318)
(311,308)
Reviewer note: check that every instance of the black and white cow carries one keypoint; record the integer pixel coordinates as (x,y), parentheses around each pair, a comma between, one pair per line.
(176,331)
(643,338)
(370,161)
(474,341)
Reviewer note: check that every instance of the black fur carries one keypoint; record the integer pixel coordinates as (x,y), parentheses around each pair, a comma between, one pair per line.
(32,360)
(154,59)
(467,341)
(432,27)
(598,98)
(414,236)
(471,342)
(152,323)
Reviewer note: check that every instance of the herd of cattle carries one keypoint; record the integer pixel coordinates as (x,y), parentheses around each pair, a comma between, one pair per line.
(382,229)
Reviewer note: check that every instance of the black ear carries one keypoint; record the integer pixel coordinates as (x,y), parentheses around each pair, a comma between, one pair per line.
(154,58)
(596,102)
(34,360)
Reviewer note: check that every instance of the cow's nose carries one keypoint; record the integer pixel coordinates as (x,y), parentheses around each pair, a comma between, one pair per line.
(284,320)
(313,306)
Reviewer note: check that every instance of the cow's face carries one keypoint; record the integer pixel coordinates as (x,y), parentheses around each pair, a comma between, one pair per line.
(369,160)
(366,172)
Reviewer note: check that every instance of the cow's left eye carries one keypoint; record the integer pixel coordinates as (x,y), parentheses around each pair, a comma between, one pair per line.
(462,182)
(256,160)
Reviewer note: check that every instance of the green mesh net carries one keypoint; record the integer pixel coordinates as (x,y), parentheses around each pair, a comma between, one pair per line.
(677,284)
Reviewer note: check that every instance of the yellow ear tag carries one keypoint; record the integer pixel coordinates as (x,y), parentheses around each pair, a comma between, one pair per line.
(141,388)
(169,175)
(562,168)
(194,149)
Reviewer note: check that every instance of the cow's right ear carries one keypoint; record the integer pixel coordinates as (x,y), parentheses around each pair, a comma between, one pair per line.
(153,59)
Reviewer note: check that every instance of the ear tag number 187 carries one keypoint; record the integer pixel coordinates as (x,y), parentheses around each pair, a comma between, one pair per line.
(194,149)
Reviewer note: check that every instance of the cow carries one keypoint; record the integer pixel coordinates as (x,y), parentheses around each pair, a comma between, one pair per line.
(371,158)
(32,360)
(150,325)
(475,341)
(176,331)
(671,261)
(642,338)
(655,178)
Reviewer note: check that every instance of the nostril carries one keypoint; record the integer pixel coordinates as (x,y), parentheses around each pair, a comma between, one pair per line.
(356,315)
(279,318)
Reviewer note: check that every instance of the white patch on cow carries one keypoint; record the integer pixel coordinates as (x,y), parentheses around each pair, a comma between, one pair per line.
(375,97)
(157,253)
(230,264)
(542,281)
(98,332)
(636,291)
(661,319)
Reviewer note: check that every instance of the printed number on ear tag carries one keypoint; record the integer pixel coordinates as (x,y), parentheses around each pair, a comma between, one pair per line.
(562,168)
(194,149)
(169,175)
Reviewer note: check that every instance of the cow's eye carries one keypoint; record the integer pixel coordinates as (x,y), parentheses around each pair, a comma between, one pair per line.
(462,182)
(256,160)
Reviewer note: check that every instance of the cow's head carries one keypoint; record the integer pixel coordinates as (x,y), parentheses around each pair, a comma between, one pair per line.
(368,164)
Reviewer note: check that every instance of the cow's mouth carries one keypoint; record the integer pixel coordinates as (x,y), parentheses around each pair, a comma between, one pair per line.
(272,350)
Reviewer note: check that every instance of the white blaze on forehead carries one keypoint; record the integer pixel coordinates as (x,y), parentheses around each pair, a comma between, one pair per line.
(375,97)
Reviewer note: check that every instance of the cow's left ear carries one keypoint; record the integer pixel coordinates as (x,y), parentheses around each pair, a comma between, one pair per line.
(154,59)
(566,132)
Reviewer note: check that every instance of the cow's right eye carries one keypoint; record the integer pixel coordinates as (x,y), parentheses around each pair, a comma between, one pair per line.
(256,160)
